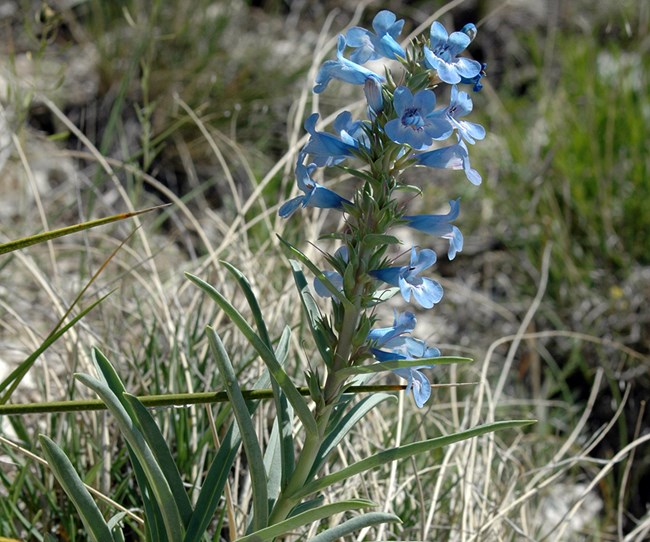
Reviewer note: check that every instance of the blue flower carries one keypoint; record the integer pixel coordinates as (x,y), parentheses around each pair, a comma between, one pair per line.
(342,69)
(476,80)
(404,348)
(439,225)
(452,157)
(315,194)
(442,55)
(460,104)
(425,291)
(327,149)
(404,322)
(373,91)
(415,124)
(382,44)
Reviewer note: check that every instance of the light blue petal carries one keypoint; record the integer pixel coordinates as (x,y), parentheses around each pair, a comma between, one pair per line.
(290,207)
(421,388)
(439,35)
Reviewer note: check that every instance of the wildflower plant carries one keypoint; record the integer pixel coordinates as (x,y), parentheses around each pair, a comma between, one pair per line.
(406,126)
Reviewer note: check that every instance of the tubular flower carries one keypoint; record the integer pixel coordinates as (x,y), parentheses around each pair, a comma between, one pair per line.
(476,80)
(381,44)
(460,105)
(315,195)
(439,225)
(342,69)
(452,157)
(415,124)
(326,149)
(425,291)
(442,55)
(404,348)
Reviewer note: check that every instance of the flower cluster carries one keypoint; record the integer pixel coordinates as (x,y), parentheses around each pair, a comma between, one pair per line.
(406,126)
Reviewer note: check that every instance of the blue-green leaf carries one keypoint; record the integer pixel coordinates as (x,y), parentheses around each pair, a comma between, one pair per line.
(401,452)
(313,313)
(147,425)
(96,527)
(267,355)
(246,428)
(252,302)
(345,424)
(159,486)
(304,518)
(217,475)
(355,524)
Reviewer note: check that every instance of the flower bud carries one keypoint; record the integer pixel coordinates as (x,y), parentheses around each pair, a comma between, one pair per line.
(470,31)
(372,90)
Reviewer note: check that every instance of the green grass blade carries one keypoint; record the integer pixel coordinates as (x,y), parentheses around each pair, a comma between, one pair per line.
(304,518)
(246,428)
(355,524)
(267,355)
(10,383)
(53,234)
(402,452)
(155,477)
(18,374)
(96,527)
(345,424)
(400,364)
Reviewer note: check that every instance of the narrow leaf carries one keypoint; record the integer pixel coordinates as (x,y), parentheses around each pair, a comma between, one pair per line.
(401,364)
(304,518)
(267,355)
(316,271)
(147,425)
(134,437)
(53,234)
(96,526)
(393,454)
(14,378)
(345,424)
(217,475)
(376,239)
(252,302)
(313,313)
(355,524)
(246,428)
(163,456)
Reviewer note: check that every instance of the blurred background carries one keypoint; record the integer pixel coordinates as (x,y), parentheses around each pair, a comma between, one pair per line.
(202,102)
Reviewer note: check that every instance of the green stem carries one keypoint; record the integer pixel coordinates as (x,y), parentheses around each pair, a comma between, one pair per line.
(172,399)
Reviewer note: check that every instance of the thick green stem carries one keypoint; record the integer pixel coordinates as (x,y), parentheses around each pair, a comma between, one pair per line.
(313,442)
